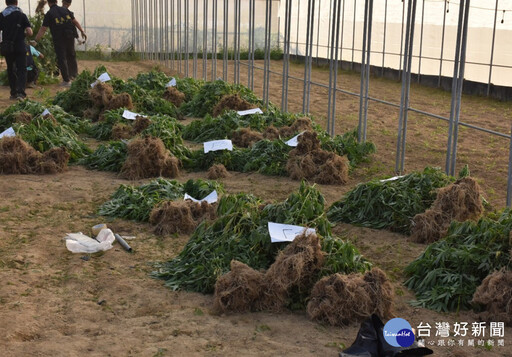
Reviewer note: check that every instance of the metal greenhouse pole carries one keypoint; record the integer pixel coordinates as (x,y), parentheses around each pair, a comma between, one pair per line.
(365,71)
(333,66)
(225,40)
(308,58)
(187,30)
(179,38)
(205,39)
(194,39)
(459,74)
(214,40)
(406,85)
(421,39)
(250,51)
(384,36)
(442,46)
(492,48)
(286,55)
(173,48)
(166,29)
(266,69)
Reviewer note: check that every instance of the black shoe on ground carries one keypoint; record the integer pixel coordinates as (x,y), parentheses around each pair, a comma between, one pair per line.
(13,97)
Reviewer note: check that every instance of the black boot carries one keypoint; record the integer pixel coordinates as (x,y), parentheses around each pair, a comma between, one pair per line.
(366,343)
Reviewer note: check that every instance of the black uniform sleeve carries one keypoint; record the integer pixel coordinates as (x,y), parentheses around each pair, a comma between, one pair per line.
(25,23)
(47,20)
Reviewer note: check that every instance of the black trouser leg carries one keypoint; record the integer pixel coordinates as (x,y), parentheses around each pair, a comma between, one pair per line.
(11,72)
(17,72)
(60,53)
(69,45)
(21,73)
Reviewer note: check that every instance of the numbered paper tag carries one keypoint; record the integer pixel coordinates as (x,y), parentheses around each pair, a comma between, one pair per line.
(286,232)
(391,179)
(130,115)
(217,145)
(250,111)
(172,83)
(294,141)
(103,78)
(46,112)
(211,198)
(8,133)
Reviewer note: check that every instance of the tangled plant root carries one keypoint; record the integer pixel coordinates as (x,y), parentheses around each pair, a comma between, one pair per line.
(245,137)
(495,295)
(171,217)
(121,131)
(342,299)
(231,102)
(22,117)
(271,133)
(459,201)
(18,157)
(141,123)
(295,267)
(101,94)
(173,95)
(123,100)
(238,290)
(245,289)
(148,157)
(92,113)
(217,171)
(309,161)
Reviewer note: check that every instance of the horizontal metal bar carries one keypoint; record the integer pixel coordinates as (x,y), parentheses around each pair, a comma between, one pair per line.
(507,136)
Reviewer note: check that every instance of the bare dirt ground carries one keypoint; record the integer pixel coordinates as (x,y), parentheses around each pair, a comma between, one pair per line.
(55,303)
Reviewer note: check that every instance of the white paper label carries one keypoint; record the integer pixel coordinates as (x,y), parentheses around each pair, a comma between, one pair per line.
(294,141)
(46,112)
(391,179)
(286,232)
(250,111)
(130,115)
(211,198)
(103,78)
(8,133)
(172,83)
(216,145)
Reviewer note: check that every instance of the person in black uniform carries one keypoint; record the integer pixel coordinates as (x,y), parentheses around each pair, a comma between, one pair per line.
(62,25)
(67,4)
(14,25)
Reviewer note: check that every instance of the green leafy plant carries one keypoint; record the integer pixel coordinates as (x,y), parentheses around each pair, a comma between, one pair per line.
(389,204)
(107,157)
(446,275)
(241,233)
(136,203)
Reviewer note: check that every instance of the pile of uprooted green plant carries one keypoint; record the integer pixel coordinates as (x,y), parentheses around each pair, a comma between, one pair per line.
(233,256)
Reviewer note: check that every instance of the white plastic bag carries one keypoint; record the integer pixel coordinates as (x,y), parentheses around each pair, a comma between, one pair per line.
(80,243)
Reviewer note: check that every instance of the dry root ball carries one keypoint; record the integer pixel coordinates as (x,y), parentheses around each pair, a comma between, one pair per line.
(51,118)
(271,133)
(231,102)
(141,123)
(173,95)
(343,299)
(92,113)
(53,161)
(171,217)
(123,100)
(459,201)
(22,117)
(121,131)
(101,94)
(299,125)
(148,157)
(245,137)
(495,295)
(17,157)
(217,171)
(309,161)
(238,290)
(295,267)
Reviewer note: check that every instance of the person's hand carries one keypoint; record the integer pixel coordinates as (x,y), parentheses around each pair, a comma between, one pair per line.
(41,55)
(33,43)
(84,36)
